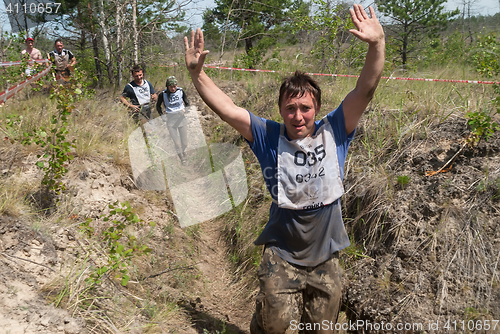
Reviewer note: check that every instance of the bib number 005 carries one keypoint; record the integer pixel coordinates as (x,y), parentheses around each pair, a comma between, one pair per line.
(301,158)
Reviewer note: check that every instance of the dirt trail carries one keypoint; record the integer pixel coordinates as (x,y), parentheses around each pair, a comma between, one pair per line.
(228,298)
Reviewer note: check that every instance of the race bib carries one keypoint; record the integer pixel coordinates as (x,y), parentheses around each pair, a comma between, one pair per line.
(308,170)
(142,93)
(173,102)
(61,60)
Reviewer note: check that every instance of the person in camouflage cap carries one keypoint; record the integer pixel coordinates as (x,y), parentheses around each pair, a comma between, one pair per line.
(175,101)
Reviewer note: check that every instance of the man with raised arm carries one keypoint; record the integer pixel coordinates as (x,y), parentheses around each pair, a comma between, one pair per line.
(302,161)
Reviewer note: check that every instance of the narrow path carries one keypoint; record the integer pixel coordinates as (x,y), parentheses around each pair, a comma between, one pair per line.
(228,299)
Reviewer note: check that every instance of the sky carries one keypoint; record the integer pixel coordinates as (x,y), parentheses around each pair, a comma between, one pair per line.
(483,7)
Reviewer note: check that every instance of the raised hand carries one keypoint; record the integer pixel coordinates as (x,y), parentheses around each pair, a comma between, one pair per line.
(195,55)
(368,29)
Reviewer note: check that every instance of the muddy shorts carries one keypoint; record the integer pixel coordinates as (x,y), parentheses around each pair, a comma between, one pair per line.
(293,296)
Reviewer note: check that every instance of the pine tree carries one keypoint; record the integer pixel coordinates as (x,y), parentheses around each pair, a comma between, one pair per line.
(413,18)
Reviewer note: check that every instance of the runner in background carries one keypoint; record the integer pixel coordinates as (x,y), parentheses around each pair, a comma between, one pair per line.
(32,54)
(175,101)
(141,93)
(63,60)
(302,162)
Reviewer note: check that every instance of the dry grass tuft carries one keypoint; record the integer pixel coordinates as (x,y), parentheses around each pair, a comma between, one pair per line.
(13,193)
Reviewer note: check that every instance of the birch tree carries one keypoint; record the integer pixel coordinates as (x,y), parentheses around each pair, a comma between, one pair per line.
(105,42)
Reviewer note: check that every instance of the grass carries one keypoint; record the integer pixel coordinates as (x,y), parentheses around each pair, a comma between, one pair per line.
(108,307)
(13,193)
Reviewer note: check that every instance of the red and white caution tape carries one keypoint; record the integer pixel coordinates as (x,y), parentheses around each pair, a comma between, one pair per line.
(357,76)
(15,63)
(10,92)
(242,69)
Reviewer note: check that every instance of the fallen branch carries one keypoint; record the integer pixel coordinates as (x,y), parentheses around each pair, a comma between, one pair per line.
(168,270)
(20,258)
(442,169)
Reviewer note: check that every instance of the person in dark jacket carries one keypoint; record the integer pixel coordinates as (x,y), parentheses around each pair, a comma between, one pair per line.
(141,93)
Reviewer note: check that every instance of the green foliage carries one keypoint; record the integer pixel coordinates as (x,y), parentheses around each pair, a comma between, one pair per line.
(412,19)
(12,74)
(160,14)
(496,100)
(481,125)
(486,54)
(9,76)
(436,51)
(250,59)
(332,23)
(12,127)
(403,180)
(213,36)
(194,231)
(119,246)
(86,64)
(485,60)
(251,22)
(10,44)
(53,139)
(57,153)
(224,330)
(353,252)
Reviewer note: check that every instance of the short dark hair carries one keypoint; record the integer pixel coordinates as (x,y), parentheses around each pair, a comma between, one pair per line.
(297,85)
(58,41)
(136,68)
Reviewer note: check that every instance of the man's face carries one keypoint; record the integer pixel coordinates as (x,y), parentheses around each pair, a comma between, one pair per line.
(29,45)
(59,47)
(138,76)
(172,89)
(298,115)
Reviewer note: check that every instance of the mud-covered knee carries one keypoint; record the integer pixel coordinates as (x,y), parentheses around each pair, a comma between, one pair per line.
(272,315)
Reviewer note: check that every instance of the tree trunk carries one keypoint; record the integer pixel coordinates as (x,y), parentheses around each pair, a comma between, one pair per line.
(248,45)
(120,18)
(98,68)
(2,52)
(95,47)
(104,36)
(82,30)
(135,33)
(470,23)
(404,51)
